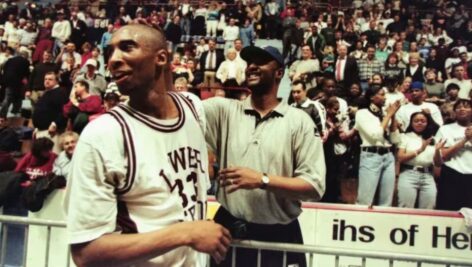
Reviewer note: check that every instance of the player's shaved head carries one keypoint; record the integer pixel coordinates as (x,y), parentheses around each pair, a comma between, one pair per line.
(148,36)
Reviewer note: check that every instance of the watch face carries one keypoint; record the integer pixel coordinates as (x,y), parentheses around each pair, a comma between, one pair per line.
(265,179)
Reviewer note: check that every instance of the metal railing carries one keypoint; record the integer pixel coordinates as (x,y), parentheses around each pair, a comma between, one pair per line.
(309,250)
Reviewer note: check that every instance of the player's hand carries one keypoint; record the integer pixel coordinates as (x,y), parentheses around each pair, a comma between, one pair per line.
(209,237)
(235,178)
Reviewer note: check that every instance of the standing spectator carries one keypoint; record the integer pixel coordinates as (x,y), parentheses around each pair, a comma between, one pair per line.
(247,179)
(314,109)
(78,33)
(346,71)
(377,163)
(212,18)
(230,34)
(415,68)
(433,62)
(96,82)
(417,104)
(304,68)
(458,73)
(369,66)
(36,81)
(454,155)
(68,51)
(15,75)
(289,29)
(199,19)
(247,33)
(272,12)
(61,31)
(210,61)
(231,72)
(185,11)
(12,35)
(47,114)
(416,182)
(451,61)
(174,32)
(28,36)
(81,106)
(106,37)
(316,42)
(44,42)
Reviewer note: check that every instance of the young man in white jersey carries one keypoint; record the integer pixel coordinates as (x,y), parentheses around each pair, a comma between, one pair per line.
(136,194)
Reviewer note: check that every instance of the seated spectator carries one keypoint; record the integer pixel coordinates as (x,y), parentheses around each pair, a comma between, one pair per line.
(465,85)
(180,69)
(447,108)
(454,155)
(68,51)
(96,81)
(392,70)
(231,72)
(416,150)
(434,89)
(304,68)
(38,162)
(81,106)
(393,92)
(417,104)
(62,164)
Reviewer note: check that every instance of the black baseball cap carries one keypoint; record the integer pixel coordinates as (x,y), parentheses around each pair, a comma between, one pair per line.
(267,53)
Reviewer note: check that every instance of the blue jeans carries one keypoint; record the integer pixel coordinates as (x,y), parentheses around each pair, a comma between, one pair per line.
(413,185)
(13,96)
(376,170)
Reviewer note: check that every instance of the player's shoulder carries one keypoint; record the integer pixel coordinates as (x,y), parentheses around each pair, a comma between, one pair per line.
(103,128)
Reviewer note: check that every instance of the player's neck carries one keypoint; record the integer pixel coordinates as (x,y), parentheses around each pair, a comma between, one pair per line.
(156,104)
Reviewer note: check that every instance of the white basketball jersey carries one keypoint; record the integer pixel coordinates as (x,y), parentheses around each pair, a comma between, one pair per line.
(161,177)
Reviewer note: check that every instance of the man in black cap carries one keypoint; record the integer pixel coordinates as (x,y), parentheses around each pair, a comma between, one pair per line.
(271,158)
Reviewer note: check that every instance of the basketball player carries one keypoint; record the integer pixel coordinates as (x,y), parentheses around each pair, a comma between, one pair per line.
(136,195)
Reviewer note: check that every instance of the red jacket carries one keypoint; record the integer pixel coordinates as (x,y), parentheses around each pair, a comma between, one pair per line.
(90,105)
(30,165)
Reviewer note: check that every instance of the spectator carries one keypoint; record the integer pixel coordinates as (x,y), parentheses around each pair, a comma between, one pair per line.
(231,72)
(68,51)
(28,36)
(7,140)
(417,104)
(435,90)
(180,69)
(464,84)
(416,150)
(210,61)
(433,62)
(96,82)
(447,108)
(415,69)
(377,163)
(247,33)
(304,68)
(78,30)
(346,71)
(38,162)
(230,34)
(36,81)
(451,61)
(201,47)
(369,66)
(81,106)
(358,52)
(185,11)
(316,42)
(106,37)
(212,17)
(44,41)
(61,31)
(15,75)
(454,155)
(62,164)
(174,32)
(272,12)
(392,70)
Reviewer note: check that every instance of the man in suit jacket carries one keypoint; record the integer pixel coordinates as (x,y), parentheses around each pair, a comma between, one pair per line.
(78,30)
(210,61)
(346,71)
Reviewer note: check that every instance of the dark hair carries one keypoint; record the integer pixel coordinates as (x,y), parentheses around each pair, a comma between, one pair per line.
(452,86)
(462,101)
(297,82)
(371,91)
(431,126)
(40,145)
(84,84)
(52,73)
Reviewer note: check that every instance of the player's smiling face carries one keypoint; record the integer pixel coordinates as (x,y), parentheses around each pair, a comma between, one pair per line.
(132,60)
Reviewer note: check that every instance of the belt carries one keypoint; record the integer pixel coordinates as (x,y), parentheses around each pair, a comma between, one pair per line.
(424,169)
(377,149)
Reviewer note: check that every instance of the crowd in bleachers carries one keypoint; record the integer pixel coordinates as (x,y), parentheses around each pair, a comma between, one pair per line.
(406,63)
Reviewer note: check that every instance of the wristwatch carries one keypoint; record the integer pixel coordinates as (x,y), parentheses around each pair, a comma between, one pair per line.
(265,180)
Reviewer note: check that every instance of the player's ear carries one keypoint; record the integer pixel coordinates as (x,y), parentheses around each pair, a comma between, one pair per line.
(162,58)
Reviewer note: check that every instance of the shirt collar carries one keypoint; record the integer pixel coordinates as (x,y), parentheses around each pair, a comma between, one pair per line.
(279,111)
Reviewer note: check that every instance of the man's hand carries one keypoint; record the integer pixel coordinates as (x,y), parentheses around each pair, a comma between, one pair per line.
(236,178)
(52,129)
(209,237)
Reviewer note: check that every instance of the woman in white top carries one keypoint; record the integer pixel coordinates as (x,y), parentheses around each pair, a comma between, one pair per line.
(415,153)
(455,155)
(377,163)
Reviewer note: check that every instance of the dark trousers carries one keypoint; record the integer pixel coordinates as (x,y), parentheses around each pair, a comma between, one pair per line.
(453,190)
(13,97)
(290,233)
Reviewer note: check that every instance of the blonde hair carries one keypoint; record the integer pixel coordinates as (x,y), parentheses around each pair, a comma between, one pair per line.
(68,134)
